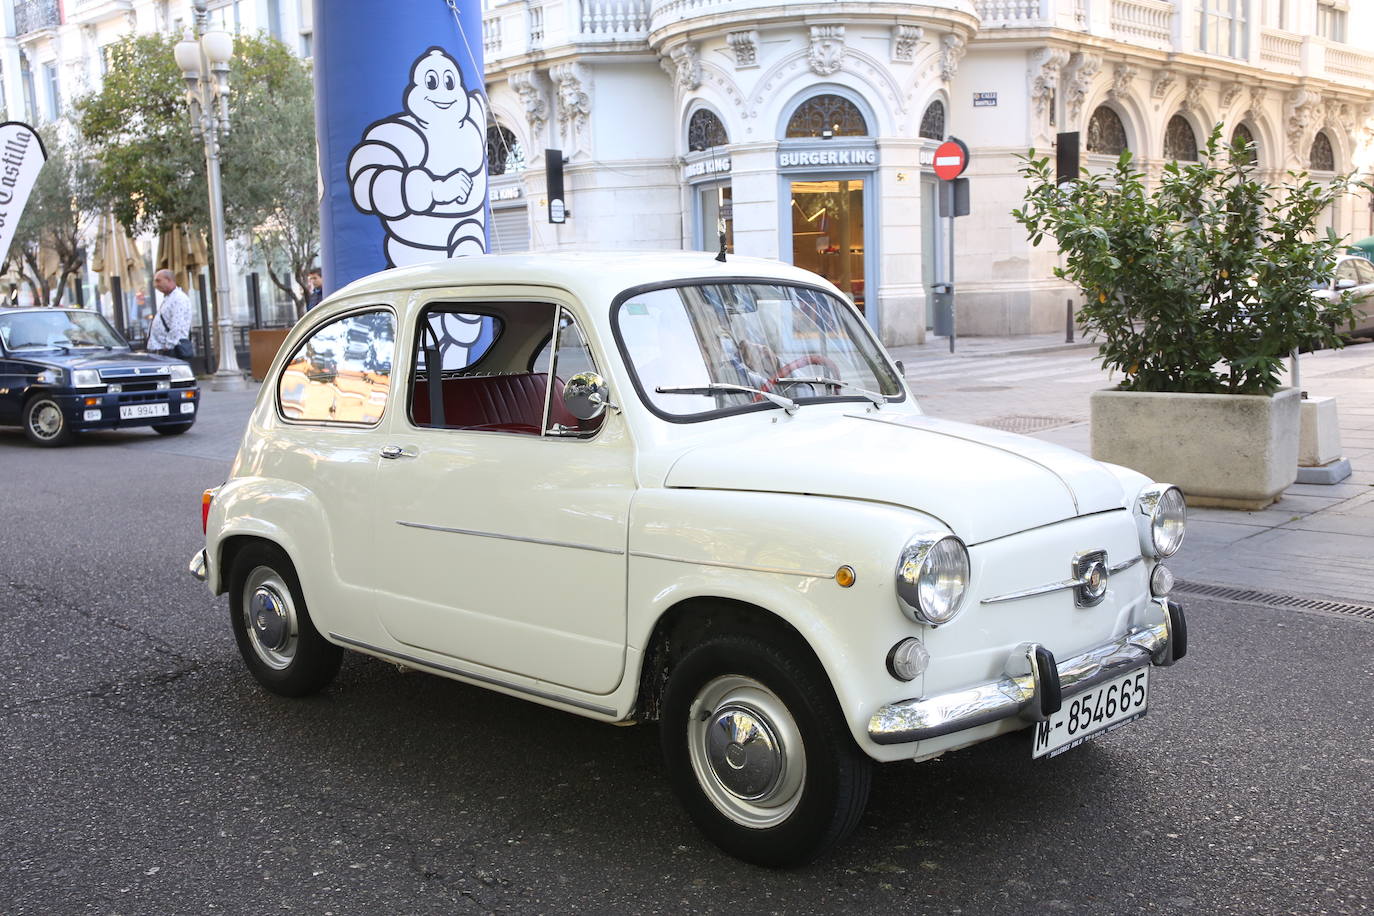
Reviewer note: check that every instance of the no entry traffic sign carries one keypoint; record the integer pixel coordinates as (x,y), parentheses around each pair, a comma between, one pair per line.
(951,158)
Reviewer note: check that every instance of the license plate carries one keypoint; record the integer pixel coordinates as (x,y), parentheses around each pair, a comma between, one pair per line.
(136,411)
(1106,707)
(188,408)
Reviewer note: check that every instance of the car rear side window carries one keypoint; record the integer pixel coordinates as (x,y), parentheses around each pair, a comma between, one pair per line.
(341,373)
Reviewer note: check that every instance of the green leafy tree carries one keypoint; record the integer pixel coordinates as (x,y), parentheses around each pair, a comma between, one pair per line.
(47,249)
(271,167)
(1204,284)
(150,170)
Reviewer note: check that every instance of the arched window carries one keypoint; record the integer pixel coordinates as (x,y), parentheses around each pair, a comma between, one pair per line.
(1241,137)
(1106,133)
(1322,158)
(827,116)
(705,131)
(1179,141)
(933,121)
(504,152)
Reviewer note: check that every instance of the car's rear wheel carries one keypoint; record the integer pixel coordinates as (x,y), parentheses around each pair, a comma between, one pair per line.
(758,751)
(45,423)
(173,429)
(272,626)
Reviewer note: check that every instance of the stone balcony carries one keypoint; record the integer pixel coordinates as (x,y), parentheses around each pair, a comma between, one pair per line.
(36,16)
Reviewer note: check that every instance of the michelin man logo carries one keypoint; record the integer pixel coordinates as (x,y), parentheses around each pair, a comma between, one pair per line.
(423,171)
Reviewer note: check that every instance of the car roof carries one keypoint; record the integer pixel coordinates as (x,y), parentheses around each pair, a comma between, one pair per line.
(585,271)
(45,309)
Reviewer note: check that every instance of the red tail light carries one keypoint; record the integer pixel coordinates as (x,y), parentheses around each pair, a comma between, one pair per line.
(205,499)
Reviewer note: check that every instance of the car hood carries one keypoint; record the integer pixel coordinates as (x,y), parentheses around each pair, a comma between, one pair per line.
(149,363)
(982,483)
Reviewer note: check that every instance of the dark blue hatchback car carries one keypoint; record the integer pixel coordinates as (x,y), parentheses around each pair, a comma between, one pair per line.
(63,371)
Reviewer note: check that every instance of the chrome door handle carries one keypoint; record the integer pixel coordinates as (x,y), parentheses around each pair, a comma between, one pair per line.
(395,451)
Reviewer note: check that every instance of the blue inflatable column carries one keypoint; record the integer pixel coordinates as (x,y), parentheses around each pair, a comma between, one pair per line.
(401,114)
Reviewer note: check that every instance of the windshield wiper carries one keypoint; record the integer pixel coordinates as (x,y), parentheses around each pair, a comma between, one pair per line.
(877,398)
(786,404)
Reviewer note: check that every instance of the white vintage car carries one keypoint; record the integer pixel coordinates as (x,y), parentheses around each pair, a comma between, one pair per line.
(644,487)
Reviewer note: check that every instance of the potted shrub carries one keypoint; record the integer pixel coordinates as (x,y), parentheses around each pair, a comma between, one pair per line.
(1198,290)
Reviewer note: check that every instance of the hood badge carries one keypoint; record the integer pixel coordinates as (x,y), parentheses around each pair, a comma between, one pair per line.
(1091,575)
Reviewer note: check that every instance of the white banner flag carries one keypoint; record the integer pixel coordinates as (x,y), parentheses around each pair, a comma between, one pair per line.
(21,156)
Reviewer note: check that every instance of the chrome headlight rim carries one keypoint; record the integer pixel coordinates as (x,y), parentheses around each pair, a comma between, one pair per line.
(913,566)
(1151,505)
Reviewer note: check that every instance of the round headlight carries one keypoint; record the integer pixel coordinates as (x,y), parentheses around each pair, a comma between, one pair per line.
(932,576)
(1161,516)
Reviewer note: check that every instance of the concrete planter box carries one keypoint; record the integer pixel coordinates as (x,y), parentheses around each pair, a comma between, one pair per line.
(1236,451)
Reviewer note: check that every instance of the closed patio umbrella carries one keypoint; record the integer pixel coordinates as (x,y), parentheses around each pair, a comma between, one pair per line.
(116,255)
(182,250)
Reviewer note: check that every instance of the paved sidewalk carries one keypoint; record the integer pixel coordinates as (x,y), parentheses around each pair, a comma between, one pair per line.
(1315,541)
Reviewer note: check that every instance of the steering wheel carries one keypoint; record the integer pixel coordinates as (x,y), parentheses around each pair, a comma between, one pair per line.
(810,359)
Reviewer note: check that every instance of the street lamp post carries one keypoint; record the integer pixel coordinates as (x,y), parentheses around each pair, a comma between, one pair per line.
(205,67)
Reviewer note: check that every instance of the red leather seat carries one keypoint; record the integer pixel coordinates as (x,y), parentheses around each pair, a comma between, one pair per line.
(508,403)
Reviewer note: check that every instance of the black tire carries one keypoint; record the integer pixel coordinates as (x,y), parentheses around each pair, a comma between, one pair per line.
(44,422)
(272,626)
(761,799)
(173,429)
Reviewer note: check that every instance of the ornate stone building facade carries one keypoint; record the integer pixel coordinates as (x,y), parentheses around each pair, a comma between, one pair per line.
(806,132)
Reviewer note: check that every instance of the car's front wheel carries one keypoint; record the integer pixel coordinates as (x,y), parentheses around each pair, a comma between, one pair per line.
(758,751)
(45,423)
(276,637)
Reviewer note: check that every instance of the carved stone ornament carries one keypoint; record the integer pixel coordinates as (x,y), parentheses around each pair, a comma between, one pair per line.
(1304,112)
(1257,94)
(574,104)
(1045,66)
(1085,67)
(827,49)
(1230,94)
(527,85)
(745,44)
(1122,78)
(1163,82)
(904,41)
(1192,95)
(1341,117)
(686,70)
(952,50)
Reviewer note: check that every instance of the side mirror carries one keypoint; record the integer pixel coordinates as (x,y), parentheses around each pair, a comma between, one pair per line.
(586,396)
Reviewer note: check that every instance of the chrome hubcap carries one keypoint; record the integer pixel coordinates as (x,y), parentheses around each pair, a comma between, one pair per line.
(746,751)
(46,421)
(269,616)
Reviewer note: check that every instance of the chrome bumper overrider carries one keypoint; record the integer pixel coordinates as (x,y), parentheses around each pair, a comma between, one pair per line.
(197,565)
(1034,685)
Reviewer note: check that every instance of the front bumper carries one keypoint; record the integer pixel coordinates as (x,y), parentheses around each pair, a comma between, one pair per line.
(198,567)
(87,410)
(1035,685)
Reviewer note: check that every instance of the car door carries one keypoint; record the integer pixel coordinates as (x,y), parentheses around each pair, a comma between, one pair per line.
(1364,294)
(502,523)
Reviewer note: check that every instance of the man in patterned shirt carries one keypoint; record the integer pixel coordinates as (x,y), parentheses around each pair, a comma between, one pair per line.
(173,321)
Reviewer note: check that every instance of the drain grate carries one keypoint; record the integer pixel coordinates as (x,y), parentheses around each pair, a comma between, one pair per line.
(1018,423)
(1276,600)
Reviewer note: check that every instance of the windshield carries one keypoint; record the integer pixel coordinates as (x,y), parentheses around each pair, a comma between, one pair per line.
(791,342)
(56,329)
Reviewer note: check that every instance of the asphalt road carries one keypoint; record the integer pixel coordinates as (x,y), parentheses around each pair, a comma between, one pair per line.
(144,772)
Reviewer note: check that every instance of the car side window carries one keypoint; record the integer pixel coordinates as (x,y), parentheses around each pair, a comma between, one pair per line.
(570,356)
(1346,273)
(341,373)
(1365,270)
